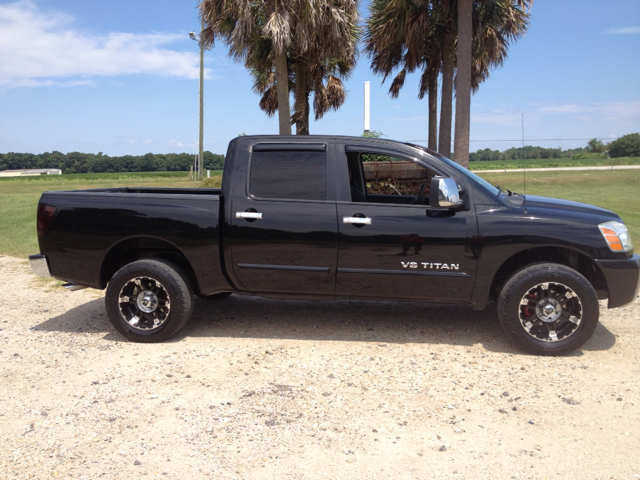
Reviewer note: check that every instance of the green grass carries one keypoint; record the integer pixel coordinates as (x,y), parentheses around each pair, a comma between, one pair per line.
(614,190)
(19,200)
(553,163)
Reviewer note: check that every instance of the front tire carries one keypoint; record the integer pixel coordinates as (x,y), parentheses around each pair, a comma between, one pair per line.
(548,309)
(149,300)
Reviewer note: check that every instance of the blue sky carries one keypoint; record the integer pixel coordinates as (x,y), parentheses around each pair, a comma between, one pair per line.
(121,76)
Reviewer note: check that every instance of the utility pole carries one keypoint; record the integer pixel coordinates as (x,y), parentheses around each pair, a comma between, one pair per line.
(193,36)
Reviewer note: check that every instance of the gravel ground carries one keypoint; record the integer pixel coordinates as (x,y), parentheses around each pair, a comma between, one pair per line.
(259,388)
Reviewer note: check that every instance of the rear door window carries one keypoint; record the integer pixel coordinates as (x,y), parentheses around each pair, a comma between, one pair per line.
(288,174)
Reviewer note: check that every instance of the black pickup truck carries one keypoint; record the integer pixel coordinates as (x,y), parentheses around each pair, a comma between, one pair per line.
(325,217)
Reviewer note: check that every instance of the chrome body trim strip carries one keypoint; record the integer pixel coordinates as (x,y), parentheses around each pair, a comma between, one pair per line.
(258,266)
(379,271)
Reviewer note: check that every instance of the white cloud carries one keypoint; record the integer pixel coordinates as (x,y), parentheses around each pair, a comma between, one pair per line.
(41,49)
(175,143)
(32,82)
(623,31)
(610,110)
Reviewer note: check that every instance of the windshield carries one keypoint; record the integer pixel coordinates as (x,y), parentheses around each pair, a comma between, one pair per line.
(467,173)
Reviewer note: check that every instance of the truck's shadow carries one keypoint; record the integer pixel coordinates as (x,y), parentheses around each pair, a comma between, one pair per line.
(339,320)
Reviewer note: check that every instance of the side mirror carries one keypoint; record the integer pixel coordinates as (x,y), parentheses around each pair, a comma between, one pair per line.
(444,193)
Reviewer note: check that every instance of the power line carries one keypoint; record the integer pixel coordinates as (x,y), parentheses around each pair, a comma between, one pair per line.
(214,53)
(534,140)
(269,119)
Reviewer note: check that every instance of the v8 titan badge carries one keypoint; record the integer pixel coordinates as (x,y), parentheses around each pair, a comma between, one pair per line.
(431,266)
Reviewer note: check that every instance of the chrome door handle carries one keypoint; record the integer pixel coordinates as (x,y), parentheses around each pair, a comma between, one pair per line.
(251,215)
(357,220)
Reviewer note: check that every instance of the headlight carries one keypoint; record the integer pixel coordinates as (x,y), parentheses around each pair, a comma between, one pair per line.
(616,236)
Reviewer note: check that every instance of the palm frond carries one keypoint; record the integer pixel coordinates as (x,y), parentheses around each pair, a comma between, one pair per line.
(269,101)
(397,83)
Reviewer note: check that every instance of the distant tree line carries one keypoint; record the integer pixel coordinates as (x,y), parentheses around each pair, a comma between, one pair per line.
(625,146)
(76,162)
(522,153)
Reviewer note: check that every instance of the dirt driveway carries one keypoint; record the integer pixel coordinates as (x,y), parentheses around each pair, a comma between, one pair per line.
(270,389)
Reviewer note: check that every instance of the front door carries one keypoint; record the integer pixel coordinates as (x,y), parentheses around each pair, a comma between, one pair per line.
(393,244)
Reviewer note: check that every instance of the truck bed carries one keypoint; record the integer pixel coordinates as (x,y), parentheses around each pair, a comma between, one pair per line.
(93,232)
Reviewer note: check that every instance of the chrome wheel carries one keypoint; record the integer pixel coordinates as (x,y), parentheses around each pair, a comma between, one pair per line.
(550,312)
(144,303)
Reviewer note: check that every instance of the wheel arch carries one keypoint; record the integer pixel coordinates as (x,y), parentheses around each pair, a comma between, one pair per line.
(564,256)
(144,248)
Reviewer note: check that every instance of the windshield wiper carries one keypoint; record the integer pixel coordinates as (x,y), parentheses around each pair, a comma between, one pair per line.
(504,190)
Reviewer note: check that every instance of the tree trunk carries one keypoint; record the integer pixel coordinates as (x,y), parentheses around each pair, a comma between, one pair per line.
(433,111)
(463,83)
(448,64)
(301,115)
(282,87)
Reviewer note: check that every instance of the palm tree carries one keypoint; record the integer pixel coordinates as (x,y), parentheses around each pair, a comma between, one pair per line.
(242,24)
(416,35)
(268,34)
(463,82)
(323,80)
(495,25)
(483,40)
(423,34)
(404,33)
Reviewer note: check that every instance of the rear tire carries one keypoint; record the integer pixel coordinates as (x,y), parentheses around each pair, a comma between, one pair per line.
(548,309)
(149,300)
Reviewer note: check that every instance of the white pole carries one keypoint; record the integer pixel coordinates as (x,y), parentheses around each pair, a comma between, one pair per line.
(200,133)
(367,109)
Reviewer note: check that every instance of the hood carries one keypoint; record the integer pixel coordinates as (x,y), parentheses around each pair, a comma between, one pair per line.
(533,201)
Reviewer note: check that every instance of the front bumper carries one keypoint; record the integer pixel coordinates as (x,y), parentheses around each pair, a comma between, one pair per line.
(623,279)
(39,265)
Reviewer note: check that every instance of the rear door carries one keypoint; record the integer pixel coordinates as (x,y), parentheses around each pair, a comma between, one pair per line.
(283,230)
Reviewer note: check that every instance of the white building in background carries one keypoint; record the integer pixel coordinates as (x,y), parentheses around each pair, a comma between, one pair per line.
(30,173)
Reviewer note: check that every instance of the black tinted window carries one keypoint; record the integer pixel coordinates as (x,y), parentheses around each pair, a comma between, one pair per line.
(298,175)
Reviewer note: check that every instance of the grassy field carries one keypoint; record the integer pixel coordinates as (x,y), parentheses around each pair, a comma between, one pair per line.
(615,190)
(552,163)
